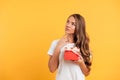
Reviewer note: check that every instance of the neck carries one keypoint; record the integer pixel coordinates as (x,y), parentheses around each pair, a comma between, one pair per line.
(70,38)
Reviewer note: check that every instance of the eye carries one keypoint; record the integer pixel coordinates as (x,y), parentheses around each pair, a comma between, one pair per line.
(67,21)
(73,23)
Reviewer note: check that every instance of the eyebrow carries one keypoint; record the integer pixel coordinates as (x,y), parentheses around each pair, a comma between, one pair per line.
(69,20)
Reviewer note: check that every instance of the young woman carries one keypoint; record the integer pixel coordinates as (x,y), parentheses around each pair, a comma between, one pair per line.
(75,36)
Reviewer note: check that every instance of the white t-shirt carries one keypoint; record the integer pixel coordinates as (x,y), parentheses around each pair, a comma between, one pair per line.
(67,70)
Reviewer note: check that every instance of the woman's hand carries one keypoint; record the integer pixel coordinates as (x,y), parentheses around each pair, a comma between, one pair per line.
(80,60)
(62,42)
(54,59)
(82,65)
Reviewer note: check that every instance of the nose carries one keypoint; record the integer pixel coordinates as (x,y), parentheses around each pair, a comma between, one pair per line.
(68,25)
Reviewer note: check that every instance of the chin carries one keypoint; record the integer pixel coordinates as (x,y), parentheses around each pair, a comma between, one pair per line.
(67,32)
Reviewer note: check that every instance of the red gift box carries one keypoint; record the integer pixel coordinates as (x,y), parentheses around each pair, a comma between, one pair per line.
(70,55)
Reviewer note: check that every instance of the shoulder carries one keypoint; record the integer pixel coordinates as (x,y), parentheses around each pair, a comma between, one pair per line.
(55,41)
(52,47)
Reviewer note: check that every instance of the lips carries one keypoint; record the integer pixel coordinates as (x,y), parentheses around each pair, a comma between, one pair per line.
(66,29)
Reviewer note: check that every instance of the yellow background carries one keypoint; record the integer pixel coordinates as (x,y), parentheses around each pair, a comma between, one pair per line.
(27,28)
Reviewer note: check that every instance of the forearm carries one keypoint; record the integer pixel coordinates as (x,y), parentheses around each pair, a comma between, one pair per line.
(84,69)
(54,61)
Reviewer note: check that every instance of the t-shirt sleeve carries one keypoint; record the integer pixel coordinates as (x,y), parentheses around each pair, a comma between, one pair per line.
(52,47)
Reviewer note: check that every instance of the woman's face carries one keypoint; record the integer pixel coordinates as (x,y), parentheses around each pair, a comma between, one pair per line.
(70,25)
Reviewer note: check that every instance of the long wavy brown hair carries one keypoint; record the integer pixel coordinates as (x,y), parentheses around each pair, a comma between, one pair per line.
(81,39)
